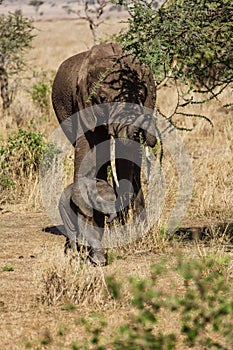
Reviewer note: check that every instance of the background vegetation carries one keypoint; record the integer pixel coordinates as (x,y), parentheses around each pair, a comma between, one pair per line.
(16,37)
(186,43)
(160,292)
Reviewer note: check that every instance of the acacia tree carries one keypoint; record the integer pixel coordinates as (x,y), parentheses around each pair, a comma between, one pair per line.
(92,12)
(16,36)
(93,17)
(187,41)
(36,4)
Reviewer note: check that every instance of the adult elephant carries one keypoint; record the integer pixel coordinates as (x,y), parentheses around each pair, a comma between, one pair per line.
(104,101)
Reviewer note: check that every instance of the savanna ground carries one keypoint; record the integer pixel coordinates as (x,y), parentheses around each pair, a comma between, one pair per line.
(42,299)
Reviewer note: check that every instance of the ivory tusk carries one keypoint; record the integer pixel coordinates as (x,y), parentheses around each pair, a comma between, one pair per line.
(148,162)
(113,160)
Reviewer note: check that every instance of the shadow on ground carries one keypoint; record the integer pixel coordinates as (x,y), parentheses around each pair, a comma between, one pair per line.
(206,232)
(188,233)
(58,230)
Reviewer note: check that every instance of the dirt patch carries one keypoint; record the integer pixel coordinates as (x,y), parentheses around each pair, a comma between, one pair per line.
(23,242)
(25,322)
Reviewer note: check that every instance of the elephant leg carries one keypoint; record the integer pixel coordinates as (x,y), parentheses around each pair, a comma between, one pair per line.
(95,234)
(91,163)
(102,152)
(84,164)
(69,219)
(131,171)
(139,205)
(125,177)
(97,252)
(139,202)
(92,233)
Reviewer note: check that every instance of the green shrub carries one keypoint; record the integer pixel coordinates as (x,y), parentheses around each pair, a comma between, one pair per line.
(8,268)
(203,310)
(185,43)
(16,38)
(41,92)
(21,154)
(191,38)
(20,158)
(50,156)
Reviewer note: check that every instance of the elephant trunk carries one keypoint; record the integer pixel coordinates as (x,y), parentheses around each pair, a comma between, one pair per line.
(147,123)
(151,139)
(113,160)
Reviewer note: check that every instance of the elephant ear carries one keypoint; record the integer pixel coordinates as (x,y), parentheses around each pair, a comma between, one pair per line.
(105,199)
(87,71)
(80,197)
(149,84)
(148,125)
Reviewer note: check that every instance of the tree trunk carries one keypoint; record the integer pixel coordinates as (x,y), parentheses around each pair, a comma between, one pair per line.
(4,88)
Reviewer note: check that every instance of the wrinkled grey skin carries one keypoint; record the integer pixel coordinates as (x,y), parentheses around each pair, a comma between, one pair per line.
(90,195)
(77,205)
(77,87)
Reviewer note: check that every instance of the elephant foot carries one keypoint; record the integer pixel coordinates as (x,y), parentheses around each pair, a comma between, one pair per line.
(69,247)
(76,250)
(97,257)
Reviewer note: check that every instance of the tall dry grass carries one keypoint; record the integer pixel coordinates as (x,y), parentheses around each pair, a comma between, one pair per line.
(69,280)
(63,281)
(211,156)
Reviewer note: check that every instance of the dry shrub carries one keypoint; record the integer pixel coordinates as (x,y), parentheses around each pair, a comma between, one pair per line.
(23,131)
(217,243)
(30,166)
(138,236)
(211,156)
(141,240)
(69,280)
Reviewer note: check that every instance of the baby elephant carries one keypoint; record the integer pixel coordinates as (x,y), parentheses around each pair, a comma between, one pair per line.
(82,207)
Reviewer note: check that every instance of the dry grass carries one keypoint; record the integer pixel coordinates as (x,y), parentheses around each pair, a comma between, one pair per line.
(42,276)
(59,40)
(211,158)
(68,280)
(67,289)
